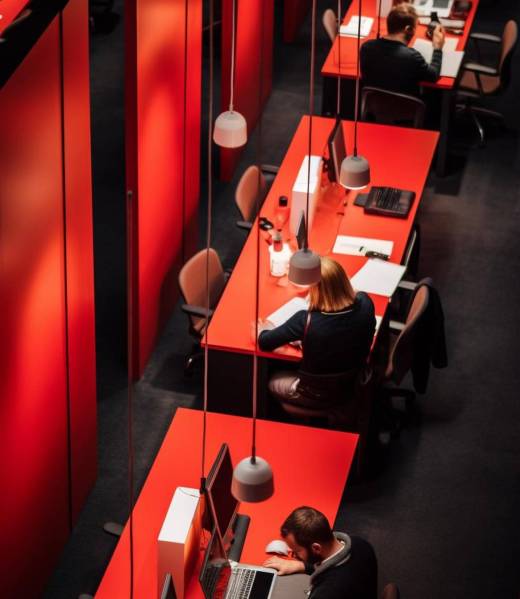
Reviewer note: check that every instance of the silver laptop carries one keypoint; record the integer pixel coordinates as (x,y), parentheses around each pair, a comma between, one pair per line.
(221,578)
(426,7)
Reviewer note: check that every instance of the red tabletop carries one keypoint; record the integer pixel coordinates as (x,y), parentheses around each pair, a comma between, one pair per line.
(9,9)
(398,157)
(310,468)
(347,66)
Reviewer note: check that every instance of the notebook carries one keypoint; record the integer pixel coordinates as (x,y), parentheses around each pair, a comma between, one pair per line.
(221,578)
(351,28)
(451,58)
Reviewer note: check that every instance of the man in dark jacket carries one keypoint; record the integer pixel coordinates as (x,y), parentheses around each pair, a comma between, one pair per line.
(339,565)
(389,63)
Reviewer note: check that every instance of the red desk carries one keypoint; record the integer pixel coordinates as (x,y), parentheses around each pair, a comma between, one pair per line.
(346,66)
(310,467)
(398,157)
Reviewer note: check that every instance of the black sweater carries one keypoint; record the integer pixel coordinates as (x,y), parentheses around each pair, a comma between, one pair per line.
(355,578)
(392,65)
(335,341)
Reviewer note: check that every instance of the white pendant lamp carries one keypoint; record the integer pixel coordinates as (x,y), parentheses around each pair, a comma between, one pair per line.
(230,130)
(305,265)
(253,477)
(355,170)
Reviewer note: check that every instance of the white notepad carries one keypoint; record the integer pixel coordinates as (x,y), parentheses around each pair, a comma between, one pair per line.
(359,246)
(451,58)
(351,28)
(289,309)
(379,277)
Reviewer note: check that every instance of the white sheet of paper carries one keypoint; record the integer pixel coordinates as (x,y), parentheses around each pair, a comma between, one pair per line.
(379,319)
(351,28)
(378,276)
(358,246)
(451,58)
(285,312)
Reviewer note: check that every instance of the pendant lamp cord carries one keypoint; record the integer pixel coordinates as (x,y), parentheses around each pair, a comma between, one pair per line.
(311,112)
(356,107)
(257,202)
(338,91)
(208,241)
(379,19)
(233,43)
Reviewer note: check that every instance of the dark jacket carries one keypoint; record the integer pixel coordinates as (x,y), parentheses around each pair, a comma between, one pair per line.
(352,573)
(430,347)
(394,66)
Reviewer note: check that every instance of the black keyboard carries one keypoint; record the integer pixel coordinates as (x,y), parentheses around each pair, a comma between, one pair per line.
(389,201)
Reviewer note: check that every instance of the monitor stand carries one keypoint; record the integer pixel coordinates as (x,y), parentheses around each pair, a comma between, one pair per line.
(240,526)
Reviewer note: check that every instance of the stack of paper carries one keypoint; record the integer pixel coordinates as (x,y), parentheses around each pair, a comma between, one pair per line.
(351,29)
(451,58)
(359,246)
(289,309)
(378,277)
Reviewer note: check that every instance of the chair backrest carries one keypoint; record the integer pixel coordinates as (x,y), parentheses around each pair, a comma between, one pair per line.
(391,108)
(330,24)
(400,359)
(192,283)
(391,591)
(509,43)
(252,184)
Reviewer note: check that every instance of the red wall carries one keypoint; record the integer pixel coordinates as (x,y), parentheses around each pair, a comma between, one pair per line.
(35,171)
(247,69)
(294,13)
(161,145)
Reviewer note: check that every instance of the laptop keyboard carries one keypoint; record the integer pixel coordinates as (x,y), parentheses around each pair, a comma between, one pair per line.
(387,198)
(441,3)
(241,584)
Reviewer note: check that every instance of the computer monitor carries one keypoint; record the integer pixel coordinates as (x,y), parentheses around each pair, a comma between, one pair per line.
(168,592)
(300,232)
(222,505)
(337,150)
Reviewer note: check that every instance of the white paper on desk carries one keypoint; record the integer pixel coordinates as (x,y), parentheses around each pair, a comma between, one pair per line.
(289,309)
(378,276)
(359,246)
(451,58)
(351,28)
(379,320)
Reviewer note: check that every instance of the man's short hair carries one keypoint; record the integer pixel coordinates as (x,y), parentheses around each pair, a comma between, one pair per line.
(401,16)
(307,526)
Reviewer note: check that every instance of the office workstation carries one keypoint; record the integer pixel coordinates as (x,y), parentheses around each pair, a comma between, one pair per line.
(110,425)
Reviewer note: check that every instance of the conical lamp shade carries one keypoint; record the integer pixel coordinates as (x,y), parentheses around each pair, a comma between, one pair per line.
(252,481)
(355,172)
(230,130)
(305,268)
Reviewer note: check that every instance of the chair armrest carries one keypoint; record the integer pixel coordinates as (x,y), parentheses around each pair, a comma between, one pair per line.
(475,67)
(244,224)
(269,168)
(486,37)
(394,325)
(199,311)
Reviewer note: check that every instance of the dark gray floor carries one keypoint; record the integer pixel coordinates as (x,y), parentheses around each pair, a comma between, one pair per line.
(442,509)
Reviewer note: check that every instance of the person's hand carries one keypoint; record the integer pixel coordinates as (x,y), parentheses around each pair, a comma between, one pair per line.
(285,566)
(438,37)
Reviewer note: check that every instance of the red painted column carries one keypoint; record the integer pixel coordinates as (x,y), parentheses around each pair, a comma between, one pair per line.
(294,13)
(251,89)
(163,136)
(80,258)
(34,508)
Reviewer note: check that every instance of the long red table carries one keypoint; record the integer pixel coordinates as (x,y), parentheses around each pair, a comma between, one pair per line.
(343,64)
(398,157)
(310,468)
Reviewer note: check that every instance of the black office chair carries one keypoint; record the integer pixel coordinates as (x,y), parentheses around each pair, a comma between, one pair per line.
(478,82)
(251,191)
(391,108)
(391,591)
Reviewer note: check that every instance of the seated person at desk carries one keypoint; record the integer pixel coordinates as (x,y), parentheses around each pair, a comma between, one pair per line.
(336,334)
(339,565)
(390,64)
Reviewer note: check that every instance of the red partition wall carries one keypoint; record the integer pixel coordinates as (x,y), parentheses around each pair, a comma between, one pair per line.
(294,13)
(47,377)
(163,90)
(249,60)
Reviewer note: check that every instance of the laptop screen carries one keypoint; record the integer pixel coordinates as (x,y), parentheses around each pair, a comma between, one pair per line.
(215,572)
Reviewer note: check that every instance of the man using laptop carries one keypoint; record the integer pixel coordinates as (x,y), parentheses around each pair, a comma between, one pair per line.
(390,64)
(340,565)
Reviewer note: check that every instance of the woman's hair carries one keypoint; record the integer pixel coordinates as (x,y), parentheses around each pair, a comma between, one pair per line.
(401,16)
(334,291)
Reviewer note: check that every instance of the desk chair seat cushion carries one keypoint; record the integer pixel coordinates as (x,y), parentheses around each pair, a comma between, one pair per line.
(468,82)
(251,188)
